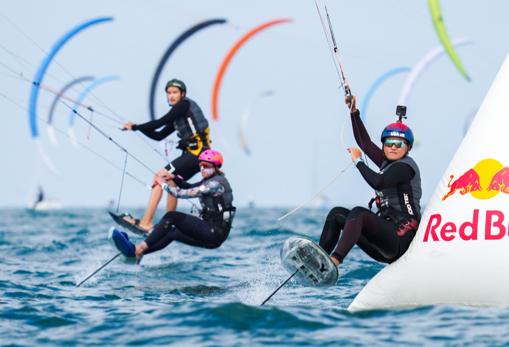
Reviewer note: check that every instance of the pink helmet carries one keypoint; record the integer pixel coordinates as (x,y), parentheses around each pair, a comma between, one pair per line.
(212,156)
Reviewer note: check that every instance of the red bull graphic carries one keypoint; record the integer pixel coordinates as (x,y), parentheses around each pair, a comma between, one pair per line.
(500,181)
(485,180)
(466,183)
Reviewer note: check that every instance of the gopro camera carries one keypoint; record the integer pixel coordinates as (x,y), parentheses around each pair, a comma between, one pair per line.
(401,111)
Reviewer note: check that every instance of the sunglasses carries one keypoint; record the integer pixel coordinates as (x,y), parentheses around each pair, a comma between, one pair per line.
(397,143)
(206,165)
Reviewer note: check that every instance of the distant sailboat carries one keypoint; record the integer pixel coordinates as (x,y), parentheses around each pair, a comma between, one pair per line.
(41,203)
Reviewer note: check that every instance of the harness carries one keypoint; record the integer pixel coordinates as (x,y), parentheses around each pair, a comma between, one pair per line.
(400,204)
(199,142)
(193,130)
(223,218)
(218,210)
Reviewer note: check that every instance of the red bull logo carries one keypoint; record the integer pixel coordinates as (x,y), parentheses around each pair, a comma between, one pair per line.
(485,180)
(500,182)
(466,183)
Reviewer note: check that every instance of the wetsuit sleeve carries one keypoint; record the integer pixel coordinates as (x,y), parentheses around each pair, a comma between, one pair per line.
(166,121)
(186,185)
(364,141)
(207,188)
(395,175)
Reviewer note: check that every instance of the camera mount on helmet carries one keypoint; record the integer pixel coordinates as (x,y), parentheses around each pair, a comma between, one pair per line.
(401,112)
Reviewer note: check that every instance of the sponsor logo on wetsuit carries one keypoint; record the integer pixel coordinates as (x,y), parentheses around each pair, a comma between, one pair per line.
(407,204)
(407,226)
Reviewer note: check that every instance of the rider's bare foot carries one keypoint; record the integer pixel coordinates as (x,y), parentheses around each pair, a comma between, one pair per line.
(131,220)
(140,249)
(335,260)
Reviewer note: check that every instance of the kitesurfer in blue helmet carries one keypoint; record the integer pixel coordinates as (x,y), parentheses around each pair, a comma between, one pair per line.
(186,119)
(384,235)
(208,230)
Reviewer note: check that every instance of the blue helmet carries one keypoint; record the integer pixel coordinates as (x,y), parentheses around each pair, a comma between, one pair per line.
(398,129)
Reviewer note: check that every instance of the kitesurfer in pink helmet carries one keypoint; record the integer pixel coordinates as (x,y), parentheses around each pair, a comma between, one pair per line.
(208,230)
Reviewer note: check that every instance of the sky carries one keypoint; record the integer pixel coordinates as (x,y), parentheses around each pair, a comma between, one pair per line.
(298,136)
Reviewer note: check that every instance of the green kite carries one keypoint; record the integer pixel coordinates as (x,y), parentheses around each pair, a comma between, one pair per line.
(438,22)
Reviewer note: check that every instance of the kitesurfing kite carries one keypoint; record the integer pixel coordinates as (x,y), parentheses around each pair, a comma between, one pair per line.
(39,76)
(229,56)
(378,82)
(166,56)
(438,23)
(244,118)
(72,114)
(422,66)
(61,94)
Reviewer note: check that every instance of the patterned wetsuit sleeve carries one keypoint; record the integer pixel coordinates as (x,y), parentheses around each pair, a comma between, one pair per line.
(393,176)
(186,185)
(207,188)
(166,121)
(364,141)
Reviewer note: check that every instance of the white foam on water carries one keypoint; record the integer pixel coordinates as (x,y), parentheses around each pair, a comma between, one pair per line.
(264,278)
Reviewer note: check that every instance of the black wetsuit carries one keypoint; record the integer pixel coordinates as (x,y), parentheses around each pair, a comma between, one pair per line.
(387,235)
(186,165)
(208,231)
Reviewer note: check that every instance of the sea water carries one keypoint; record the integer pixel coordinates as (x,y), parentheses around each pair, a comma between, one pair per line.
(190,296)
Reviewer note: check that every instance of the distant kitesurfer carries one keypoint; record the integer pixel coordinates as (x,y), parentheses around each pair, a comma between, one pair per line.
(209,230)
(187,119)
(387,234)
